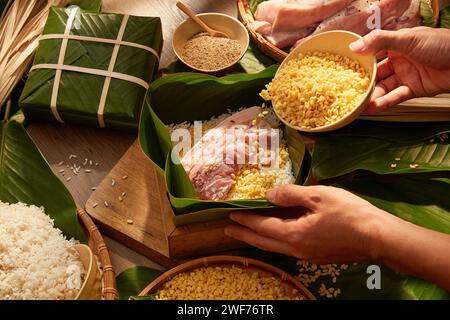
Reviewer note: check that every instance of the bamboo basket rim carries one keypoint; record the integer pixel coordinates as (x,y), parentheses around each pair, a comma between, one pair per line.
(222,260)
(99,248)
(262,43)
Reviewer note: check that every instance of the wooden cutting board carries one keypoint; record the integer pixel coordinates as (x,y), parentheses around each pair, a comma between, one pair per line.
(137,213)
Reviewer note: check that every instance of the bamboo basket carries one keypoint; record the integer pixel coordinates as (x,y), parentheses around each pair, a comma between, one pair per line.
(250,265)
(99,248)
(262,43)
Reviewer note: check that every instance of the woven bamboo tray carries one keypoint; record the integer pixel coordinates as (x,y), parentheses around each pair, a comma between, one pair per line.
(250,265)
(263,44)
(99,248)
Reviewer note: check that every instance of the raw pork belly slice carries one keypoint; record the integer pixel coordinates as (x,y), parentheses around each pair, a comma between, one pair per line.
(212,182)
(283,22)
(208,163)
(264,28)
(286,39)
(281,39)
(354,18)
(301,14)
(268,10)
(410,18)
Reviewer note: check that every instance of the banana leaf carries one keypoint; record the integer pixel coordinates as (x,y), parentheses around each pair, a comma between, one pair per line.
(444,21)
(254,4)
(79,94)
(132,281)
(87,5)
(199,97)
(375,148)
(254,60)
(427,13)
(26,177)
(3,4)
(390,131)
(421,200)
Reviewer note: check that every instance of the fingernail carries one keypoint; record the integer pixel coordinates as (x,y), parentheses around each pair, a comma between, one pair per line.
(271,194)
(358,45)
(232,216)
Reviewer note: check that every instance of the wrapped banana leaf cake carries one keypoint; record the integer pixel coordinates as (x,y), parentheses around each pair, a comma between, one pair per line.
(92,69)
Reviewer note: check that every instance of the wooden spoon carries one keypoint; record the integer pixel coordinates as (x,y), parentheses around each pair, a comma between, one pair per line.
(204,26)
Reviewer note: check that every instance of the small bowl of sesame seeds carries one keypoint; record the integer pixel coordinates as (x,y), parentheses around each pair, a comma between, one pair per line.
(322,85)
(204,53)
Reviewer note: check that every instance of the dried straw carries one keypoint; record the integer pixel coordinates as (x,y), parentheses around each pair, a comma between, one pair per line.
(21,24)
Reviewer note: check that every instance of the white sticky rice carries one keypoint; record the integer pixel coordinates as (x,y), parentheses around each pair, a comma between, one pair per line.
(35,260)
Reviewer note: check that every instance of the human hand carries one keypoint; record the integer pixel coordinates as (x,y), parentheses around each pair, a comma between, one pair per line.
(417,64)
(337,227)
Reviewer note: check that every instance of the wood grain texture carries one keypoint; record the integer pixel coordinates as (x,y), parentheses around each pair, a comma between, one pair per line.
(104,146)
(130,209)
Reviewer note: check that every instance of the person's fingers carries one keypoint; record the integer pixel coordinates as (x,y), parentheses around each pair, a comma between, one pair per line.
(385,69)
(294,196)
(382,88)
(390,83)
(390,99)
(265,243)
(380,55)
(379,40)
(269,226)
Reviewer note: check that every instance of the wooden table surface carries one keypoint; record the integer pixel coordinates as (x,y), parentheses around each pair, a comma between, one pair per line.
(106,147)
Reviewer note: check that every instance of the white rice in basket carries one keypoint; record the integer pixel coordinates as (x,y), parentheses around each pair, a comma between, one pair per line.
(35,262)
